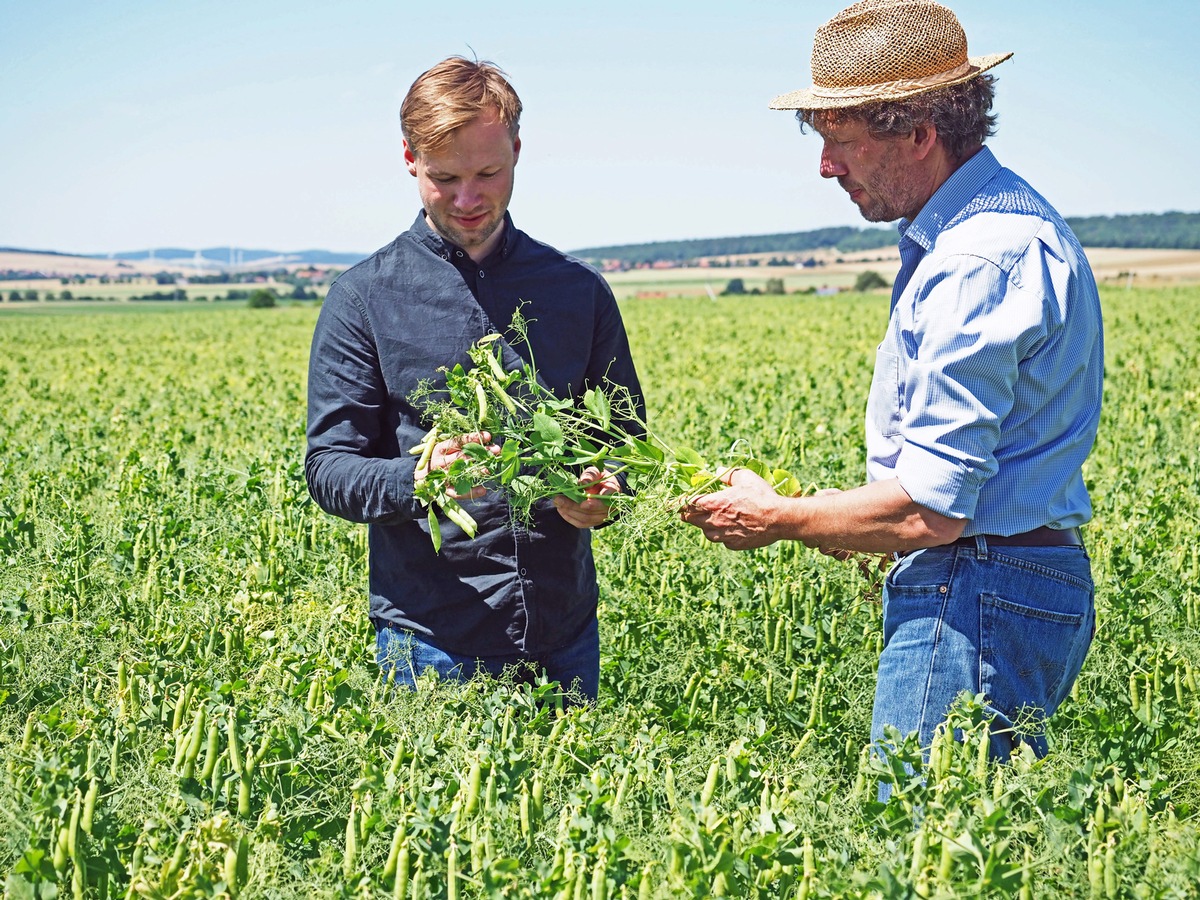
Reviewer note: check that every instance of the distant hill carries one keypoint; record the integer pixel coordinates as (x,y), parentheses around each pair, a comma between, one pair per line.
(226,256)
(1150,231)
(1170,230)
(844,238)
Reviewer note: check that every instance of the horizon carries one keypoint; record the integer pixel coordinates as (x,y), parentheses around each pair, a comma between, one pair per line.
(267,125)
(276,252)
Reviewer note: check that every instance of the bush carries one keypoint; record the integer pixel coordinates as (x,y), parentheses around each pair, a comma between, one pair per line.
(869,281)
(263,298)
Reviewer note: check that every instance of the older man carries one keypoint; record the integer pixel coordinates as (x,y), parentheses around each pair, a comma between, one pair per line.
(517,595)
(986,393)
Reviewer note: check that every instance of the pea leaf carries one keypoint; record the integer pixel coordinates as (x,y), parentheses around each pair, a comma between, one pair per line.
(645,449)
(476,452)
(785,483)
(548,431)
(510,461)
(597,404)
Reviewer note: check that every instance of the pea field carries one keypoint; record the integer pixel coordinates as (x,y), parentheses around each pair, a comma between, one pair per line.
(190,707)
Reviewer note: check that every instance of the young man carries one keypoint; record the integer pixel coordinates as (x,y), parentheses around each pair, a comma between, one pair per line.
(513,594)
(986,394)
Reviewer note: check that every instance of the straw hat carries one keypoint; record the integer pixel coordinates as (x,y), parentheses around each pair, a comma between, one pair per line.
(886,50)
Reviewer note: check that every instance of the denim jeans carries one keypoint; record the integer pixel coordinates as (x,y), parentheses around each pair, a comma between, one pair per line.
(1012,623)
(575,666)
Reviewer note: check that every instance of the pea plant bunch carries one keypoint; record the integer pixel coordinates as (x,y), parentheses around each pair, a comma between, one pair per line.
(546,442)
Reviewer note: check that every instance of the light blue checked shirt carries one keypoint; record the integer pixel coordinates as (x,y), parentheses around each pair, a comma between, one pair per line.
(986,394)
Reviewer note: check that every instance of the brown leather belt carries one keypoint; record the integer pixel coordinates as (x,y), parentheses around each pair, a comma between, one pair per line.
(1039,537)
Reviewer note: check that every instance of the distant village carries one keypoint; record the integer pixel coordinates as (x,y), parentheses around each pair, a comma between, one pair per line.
(52,282)
(723,262)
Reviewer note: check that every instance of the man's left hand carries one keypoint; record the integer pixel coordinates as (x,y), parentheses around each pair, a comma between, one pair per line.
(742,516)
(591,511)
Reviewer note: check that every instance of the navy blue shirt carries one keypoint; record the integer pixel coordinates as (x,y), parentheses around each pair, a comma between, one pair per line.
(388,324)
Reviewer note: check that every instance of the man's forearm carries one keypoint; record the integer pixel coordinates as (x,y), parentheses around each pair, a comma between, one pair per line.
(876,518)
(373,491)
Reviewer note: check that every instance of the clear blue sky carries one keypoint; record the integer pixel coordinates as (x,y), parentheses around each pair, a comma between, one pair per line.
(128,124)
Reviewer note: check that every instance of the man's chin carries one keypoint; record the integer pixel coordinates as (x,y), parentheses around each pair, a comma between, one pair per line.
(877,215)
(472,237)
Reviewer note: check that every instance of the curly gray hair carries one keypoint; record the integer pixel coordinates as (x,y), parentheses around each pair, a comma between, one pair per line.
(961,113)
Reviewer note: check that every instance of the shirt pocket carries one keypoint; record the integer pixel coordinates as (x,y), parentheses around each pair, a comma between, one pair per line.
(883,404)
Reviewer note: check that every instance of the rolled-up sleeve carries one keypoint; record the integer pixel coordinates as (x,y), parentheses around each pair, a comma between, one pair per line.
(346,473)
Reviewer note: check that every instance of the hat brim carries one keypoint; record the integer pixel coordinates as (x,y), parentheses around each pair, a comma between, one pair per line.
(814,98)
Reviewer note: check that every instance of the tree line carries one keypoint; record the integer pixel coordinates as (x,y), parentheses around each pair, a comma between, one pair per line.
(1170,230)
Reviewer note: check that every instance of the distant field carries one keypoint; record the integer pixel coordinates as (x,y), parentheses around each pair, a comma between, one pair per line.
(127,292)
(1111,265)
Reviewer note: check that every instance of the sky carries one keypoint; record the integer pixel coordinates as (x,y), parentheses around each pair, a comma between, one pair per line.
(264,124)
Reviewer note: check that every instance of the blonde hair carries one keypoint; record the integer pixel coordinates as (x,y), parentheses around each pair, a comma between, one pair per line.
(452,94)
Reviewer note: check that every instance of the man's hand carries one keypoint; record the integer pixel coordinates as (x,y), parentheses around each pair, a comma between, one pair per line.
(446,452)
(742,516)
(592,511)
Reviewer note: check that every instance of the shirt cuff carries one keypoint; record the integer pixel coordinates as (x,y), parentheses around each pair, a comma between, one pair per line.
(937,483)
(401,489)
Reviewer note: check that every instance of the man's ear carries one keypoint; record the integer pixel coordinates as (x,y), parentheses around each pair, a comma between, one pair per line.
(410,160)
(924,138)
(516,149)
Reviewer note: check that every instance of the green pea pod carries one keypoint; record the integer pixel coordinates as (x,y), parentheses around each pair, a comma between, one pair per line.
(459,516)
(435,530)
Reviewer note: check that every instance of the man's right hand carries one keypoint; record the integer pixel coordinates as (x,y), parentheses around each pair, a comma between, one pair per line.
(447,451)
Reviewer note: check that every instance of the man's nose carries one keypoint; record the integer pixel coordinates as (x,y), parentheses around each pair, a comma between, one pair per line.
(830,166)
(467,195)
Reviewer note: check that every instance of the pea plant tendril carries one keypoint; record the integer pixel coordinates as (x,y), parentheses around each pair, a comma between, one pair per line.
(546,442)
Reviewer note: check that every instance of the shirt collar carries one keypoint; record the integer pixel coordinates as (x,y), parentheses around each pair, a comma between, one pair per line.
(447,249)
(950,199)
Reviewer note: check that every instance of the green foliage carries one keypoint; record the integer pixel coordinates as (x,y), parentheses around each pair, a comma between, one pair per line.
(679,251)
(1172,230)
(189,704)
(869,281)
(549,441)
(261,298)
(1176,230)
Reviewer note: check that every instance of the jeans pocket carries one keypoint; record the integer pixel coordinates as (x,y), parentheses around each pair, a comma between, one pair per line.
(1033,644)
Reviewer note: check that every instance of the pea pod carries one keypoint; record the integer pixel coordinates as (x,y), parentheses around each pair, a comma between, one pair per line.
(471,788)
(399,837)
(73,828)
(458,516)
(89,806)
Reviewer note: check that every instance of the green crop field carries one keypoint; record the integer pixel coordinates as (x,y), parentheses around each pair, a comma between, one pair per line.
(189,705)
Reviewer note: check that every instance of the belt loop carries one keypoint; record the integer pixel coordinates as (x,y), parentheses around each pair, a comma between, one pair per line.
(981,550)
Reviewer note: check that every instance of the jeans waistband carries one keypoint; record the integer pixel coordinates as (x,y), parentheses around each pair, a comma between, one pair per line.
(1038,537)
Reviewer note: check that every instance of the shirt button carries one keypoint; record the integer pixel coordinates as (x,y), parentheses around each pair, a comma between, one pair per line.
(480,273)
(522,573)
(460,253)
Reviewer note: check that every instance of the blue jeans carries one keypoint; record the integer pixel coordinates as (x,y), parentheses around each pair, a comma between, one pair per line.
(575,666)
(1012,623)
